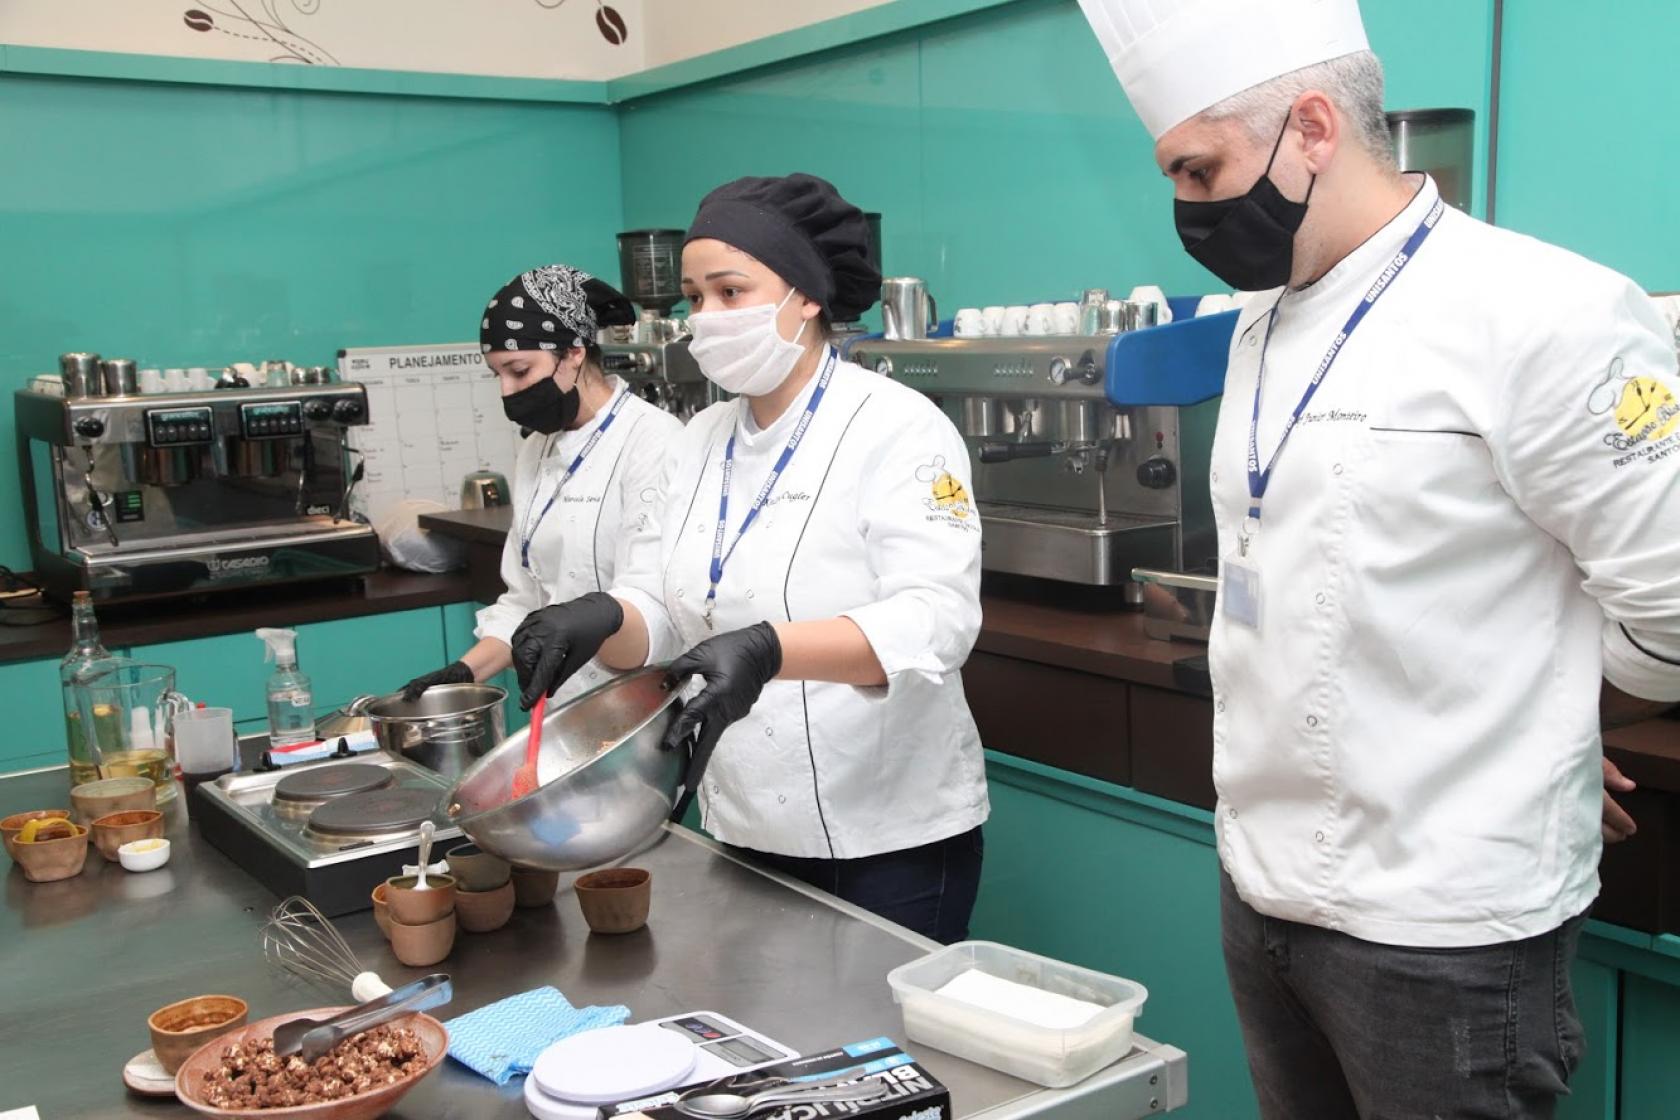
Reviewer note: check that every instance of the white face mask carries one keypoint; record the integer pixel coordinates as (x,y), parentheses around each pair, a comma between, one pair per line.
(741,350)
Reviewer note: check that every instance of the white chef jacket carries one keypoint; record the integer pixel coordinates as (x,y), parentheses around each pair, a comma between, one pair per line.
(871,520)
(587,536)
(1477,518)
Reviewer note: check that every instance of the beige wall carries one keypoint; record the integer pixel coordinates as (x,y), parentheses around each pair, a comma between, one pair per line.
(504,38)
(679,29)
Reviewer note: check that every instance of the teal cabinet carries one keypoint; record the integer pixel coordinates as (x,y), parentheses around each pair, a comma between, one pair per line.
(1650,1073)
(1105,877)
(34,734)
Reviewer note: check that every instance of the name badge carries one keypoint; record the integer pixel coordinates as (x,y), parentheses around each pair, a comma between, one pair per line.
(1239,592)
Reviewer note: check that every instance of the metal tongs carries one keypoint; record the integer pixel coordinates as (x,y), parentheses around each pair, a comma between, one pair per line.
(315,1037)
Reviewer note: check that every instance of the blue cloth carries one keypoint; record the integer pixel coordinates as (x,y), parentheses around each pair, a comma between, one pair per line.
(502,1040)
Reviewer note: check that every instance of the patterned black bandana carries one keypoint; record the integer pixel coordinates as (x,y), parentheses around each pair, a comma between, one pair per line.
(551,308)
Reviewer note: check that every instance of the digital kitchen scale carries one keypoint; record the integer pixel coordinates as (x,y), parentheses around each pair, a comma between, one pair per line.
(574,1077)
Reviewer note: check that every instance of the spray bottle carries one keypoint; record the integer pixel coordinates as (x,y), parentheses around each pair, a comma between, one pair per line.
(291,702)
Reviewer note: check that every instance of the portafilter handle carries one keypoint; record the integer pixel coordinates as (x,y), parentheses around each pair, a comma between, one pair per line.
(1006,452)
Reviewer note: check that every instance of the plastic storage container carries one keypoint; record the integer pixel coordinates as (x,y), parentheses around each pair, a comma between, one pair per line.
(1055,1058)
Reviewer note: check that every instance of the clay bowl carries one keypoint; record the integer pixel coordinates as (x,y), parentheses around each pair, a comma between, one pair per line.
(92,800)
(477,870)
(46,861)
(532,886)
(381,911)
(420,945)
(12,825)
(113,830)
(189,1079)
(416,907)
(484,911)
(181,1028)
(615,900)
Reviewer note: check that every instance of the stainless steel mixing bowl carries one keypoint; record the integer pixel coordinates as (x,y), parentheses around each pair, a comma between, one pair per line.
(604,784)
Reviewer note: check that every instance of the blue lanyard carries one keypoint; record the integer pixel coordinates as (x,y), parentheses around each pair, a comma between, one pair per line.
(589,445)
(719,556)
(1259,479)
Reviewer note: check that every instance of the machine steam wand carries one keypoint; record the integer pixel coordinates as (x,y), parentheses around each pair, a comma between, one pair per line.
(95,500)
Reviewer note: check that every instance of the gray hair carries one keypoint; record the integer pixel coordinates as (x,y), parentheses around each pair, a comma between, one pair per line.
(1354,83)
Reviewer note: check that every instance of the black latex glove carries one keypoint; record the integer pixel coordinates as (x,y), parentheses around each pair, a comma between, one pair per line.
(735,666)
(555,642)
(456,672)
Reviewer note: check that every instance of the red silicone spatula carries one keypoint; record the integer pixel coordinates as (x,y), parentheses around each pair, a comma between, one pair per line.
(525,778)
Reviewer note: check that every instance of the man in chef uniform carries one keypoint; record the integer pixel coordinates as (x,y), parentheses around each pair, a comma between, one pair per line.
(1446,479)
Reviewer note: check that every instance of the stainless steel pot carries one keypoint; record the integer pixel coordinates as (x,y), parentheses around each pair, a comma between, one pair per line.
(604,783)
(447,729)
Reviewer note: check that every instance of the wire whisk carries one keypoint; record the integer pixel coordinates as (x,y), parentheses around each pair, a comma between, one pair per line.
(300,939)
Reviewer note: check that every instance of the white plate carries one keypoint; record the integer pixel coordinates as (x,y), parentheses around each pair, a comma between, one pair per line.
(614,1064)
(144,1074)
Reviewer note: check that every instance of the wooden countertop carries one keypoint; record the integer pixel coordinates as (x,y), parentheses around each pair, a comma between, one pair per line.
(230,612)
(1108,643)
(475,526)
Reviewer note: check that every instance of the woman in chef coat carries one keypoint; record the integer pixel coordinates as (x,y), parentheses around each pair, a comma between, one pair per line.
(818,557)
(585,476)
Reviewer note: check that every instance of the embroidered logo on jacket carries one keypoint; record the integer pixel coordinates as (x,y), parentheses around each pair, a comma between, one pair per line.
(1644,411)
(947,496)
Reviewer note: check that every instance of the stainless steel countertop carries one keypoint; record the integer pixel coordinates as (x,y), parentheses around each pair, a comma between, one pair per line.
(85,960)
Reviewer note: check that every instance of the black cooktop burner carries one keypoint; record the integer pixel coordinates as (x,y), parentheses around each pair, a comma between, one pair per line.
(323,783)
(373,812)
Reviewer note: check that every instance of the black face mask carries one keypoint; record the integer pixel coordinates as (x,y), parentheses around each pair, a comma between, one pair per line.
(543,407)
(1247,241)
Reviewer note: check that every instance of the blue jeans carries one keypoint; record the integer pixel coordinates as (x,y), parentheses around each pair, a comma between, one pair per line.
(930,889)
(1341,1028)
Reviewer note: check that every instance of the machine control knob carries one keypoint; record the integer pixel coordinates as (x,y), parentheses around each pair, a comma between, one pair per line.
(884,367)
(1157,473)
(348,410)
(644,362)
(317,409)
(89,427)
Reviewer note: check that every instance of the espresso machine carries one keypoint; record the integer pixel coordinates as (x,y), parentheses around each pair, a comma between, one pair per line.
(1090,456)
(652,353)
(137,495)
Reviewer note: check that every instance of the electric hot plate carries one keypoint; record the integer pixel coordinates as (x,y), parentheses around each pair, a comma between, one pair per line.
(330,830)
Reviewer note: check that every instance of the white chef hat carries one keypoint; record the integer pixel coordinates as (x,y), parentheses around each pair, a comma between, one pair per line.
(1176,58)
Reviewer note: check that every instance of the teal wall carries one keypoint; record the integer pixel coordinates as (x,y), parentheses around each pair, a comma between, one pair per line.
(1589,132)
(997,145)
(199,225)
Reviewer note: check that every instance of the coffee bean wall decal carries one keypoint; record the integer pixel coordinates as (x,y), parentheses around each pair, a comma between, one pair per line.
(197,20)
(612,25)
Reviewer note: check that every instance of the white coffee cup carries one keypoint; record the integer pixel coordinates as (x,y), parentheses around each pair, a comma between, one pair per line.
(969,323)
(1014,320)
(151,381)
(993,316)
(1041,319)
(1067,318)
(198,379)
(175,381)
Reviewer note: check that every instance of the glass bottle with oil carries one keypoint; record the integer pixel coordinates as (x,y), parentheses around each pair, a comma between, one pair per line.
(117,712)
(87,657)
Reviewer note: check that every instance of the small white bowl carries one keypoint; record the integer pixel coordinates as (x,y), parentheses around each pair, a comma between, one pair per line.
(143,855)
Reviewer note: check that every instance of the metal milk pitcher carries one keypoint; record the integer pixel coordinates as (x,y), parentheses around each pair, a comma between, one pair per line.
(907,308)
